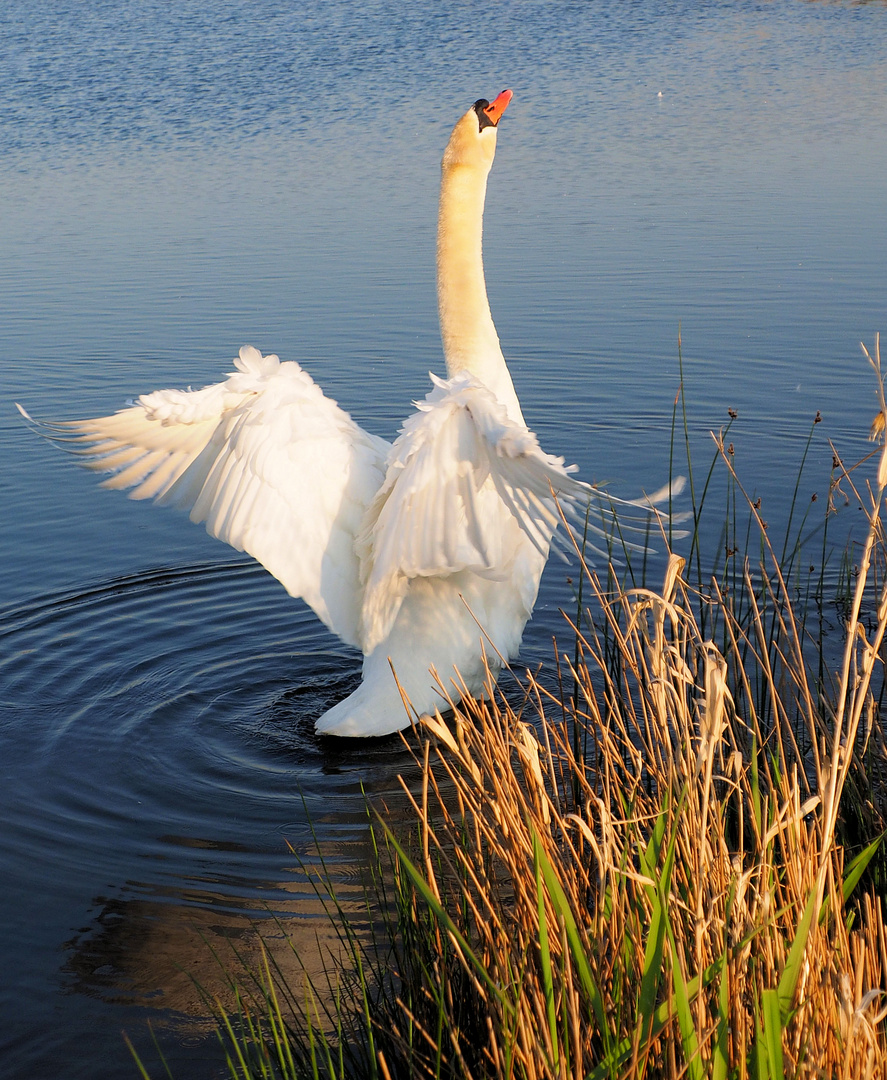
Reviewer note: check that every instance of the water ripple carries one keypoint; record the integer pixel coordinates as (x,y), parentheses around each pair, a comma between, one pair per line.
(157,738)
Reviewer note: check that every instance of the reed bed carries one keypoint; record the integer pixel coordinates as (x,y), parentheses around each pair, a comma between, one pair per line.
(670,902)
(665,863)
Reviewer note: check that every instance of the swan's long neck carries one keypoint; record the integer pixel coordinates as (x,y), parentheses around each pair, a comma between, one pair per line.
(470,341)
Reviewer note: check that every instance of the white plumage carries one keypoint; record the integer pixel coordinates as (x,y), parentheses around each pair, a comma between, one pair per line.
(426,553)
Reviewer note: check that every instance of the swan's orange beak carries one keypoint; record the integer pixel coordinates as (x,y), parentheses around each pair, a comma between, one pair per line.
(495,109)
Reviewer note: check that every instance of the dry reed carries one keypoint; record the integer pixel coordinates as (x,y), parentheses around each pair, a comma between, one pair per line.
(648,879)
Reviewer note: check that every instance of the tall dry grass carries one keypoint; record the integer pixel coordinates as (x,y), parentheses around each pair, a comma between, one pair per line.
(646,876)
(673,902)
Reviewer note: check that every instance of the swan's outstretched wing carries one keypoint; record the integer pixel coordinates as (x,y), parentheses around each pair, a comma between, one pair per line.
(459,472)
(271,465)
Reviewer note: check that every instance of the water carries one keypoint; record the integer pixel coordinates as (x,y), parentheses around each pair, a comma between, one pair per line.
(177,182)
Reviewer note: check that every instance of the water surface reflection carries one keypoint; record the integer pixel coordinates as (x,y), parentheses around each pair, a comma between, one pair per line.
(180,181)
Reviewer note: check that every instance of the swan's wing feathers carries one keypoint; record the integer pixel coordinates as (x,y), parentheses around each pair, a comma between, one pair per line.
(461,479)
(616,521)
(270,464)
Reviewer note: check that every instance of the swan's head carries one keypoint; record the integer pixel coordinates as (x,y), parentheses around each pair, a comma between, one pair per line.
(473,141)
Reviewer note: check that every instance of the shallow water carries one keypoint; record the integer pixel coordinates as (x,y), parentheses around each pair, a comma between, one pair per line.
(177,183)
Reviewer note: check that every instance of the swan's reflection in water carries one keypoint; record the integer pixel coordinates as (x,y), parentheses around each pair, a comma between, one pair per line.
(174,946)
(174,953)
(168,804)
(164,952)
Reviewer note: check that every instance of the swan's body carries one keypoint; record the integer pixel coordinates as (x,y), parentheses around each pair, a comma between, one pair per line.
(425,554)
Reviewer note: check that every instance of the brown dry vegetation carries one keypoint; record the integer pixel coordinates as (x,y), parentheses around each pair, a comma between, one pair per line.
(674,902)
(650,878)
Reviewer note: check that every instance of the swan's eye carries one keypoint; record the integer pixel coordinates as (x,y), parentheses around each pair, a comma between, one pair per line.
(483,118)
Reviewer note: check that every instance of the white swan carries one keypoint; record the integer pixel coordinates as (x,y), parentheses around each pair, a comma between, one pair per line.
(425,554)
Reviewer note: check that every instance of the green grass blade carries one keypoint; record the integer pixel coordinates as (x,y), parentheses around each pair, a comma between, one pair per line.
(772,1035)
(756,789)
(651,975)
(759,1069)
(138,1060)
(444,918)
(559,899)
(654,844)
(663,1016)
(660,910)
(720,1055)
(655,947)
(545,955)
(720,1052)
(682,1007)
(142,1071)
(858,867)
(788,982)
(852,874)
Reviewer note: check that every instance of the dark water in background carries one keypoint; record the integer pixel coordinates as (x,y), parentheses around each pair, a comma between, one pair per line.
(178,180)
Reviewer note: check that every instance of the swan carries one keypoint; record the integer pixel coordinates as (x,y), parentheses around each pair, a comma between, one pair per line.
(424,553)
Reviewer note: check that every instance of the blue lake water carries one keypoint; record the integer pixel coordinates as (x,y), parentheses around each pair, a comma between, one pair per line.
(179,180)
